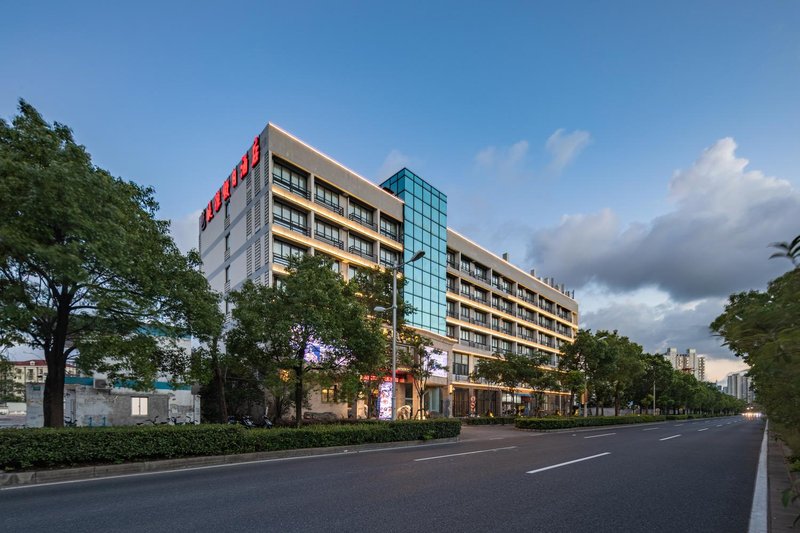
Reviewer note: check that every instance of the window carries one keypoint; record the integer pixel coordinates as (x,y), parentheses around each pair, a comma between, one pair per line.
(290,179)
(328,198)
(360,246)
(329,395)
(284,250)
(451,308)
(352,272)
(327,233)
(285,216)
(451,331)
(388,257)
(390,228)
(460,364)
(139,406)
(361,214)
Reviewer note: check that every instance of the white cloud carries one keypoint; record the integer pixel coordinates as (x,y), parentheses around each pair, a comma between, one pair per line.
(505,163)
(662,282)
(651,319)
(394,161)
(714,241)
(565,147)
(185,230)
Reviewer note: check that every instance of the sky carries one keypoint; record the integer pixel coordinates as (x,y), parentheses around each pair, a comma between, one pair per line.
(644,154)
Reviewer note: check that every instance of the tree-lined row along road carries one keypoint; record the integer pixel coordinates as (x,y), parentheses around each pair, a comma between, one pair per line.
(673,476)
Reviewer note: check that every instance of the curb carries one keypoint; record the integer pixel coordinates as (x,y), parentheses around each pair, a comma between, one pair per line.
(65,475)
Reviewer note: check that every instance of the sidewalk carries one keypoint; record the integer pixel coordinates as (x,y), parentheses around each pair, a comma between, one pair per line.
(779,479)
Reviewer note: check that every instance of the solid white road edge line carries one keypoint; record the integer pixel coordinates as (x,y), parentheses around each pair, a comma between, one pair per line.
(595,436)
(758,511)
(463,453)
(704,429)
(567,463)
(650,429)
(672,437)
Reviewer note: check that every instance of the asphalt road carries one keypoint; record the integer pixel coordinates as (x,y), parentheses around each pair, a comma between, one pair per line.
(676,476)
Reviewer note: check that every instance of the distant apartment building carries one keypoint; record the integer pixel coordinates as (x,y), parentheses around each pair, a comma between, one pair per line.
(285,198)
(739,386)
(34,371)
(688,362)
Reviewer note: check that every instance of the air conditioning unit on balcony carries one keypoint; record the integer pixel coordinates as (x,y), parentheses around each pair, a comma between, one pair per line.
(101,384)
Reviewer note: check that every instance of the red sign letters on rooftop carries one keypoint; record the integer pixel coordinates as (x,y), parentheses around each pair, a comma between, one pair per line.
(223,195)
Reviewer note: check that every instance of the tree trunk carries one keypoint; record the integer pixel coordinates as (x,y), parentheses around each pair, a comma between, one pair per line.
(53,403)
(298,395)
(616,400)
(219,385)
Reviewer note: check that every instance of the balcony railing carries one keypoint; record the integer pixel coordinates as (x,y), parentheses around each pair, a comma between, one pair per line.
(452,264)
(504,351)
(366,254)
(473,344)
(394,236)
(475,321)
(281,260)
(324,202)
(524,337)
(328,239)
(291,187)
(452,288)
(452,314)
(355,217)
(289,224)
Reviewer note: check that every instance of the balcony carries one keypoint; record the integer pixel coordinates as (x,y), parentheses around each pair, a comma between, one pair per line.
(355,217)
(452,314)
(452,288)
(291,187)
(452,264)
(366,254)
(289,224)
(280,260)
(565,316)
(474,344)
(502,351)
(525,337)
(329,239)
(324,202)
(394,236)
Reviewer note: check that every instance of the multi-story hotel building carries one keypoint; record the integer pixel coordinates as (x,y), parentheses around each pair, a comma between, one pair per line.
(283,197)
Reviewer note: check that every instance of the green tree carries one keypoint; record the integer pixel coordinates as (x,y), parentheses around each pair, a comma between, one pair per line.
(513,371)
(589,355)
(10,390)
(312,327)
(85,266)
(418,358)
(763,328)
(623,365)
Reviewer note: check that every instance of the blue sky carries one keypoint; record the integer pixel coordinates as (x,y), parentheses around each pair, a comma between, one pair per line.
(537,119)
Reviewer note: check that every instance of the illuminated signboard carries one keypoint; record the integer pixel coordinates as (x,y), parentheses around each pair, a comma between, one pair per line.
(249,160)
(439,357)
(385,400)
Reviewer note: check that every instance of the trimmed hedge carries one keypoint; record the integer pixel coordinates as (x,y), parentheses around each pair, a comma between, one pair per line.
(22,449)
(486,420)
(575,422)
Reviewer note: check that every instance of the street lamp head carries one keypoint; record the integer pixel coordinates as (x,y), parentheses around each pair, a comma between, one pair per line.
(380,309)
(418,255)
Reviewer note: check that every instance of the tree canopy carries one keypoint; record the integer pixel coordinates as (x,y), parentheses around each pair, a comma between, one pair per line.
(87,271)
(313,326)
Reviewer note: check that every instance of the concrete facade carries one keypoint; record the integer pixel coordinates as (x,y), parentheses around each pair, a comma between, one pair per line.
(285,197)
(92,403)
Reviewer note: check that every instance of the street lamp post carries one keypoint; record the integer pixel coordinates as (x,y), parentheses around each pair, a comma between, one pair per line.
(397,266)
